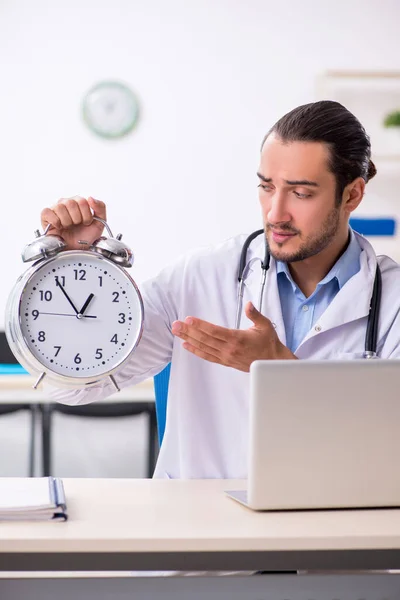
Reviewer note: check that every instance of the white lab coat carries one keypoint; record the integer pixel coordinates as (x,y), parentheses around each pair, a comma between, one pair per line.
(207,414)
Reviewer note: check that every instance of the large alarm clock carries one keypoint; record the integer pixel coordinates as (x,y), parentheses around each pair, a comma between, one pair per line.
(75,316)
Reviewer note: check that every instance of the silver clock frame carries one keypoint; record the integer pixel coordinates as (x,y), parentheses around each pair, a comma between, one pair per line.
(19,344)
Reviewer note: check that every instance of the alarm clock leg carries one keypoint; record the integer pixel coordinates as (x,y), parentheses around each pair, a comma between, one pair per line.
(38,380)
(115,384)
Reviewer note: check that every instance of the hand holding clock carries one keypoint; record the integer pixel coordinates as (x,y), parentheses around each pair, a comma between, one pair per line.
(72,220)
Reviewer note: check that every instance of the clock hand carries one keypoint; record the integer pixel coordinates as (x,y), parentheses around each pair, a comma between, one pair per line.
(67,297)
(67,315)
(88,301)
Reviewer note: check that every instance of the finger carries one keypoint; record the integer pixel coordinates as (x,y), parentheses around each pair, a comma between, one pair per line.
(63,214)
(62,200)
(254,315)
(84,207)
(221,333)
(98,207)
(196,336)
(74,210)
(49,217)
(201,354)
(210,345)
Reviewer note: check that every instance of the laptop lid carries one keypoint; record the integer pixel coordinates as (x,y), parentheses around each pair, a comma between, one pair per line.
(324,434)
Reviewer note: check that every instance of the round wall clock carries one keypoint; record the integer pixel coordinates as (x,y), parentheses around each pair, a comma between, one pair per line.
(110,109)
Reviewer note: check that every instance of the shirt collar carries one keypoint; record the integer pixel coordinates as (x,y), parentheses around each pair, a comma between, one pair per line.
(347,265)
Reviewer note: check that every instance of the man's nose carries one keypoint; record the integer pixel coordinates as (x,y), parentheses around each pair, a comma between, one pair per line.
(278,212)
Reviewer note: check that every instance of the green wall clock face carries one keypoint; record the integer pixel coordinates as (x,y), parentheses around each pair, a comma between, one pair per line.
(110,109)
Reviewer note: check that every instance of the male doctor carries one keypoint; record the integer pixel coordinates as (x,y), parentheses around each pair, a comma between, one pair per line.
(314,165)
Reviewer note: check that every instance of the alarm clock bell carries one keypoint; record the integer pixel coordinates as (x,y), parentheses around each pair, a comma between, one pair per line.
(46,246)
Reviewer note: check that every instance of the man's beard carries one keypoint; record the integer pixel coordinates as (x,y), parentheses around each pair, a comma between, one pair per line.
(314,244)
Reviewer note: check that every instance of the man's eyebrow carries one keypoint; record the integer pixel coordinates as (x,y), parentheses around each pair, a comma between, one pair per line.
(266,179)
(302,182)
(296,182)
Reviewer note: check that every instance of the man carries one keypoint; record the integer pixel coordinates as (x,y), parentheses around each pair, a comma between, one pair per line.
(314,165)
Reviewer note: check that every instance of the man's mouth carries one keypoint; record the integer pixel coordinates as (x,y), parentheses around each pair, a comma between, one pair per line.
(281,236)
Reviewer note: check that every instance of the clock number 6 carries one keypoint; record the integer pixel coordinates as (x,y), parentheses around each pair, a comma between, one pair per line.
(77,359)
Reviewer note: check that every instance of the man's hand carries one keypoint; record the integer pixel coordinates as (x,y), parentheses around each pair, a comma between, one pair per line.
(232,347)
(72,219)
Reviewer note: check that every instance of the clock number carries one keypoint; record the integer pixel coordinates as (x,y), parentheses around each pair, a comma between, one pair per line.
(58,350)
(114,339)
(35,314)
(116,296)
(47,295)
(122,320)
(101,280)
(41,336)
(99,353)
(80,275)
(77,359)
(58,278)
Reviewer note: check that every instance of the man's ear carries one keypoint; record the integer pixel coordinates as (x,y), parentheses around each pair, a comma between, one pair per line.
(353,194)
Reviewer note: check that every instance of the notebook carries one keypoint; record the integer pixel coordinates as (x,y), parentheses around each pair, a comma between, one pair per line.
(32,499)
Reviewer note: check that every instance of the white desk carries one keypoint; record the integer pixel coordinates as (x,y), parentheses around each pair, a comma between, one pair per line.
(162,524)
(131,525)
(18,389)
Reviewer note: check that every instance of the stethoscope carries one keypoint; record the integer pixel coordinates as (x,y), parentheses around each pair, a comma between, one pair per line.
(372,325)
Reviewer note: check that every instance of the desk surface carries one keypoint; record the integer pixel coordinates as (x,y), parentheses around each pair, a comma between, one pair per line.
(160,524)
(19,388)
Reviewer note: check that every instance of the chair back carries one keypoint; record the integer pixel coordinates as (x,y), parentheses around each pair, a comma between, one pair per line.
(161,382)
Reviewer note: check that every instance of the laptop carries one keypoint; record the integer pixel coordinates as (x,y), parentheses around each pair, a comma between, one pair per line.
(323,435)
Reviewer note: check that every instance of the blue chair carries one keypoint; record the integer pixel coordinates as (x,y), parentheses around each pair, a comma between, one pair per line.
(161,382)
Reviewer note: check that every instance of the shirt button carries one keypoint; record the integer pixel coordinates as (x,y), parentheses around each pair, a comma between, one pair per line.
(317,328)
(305,308)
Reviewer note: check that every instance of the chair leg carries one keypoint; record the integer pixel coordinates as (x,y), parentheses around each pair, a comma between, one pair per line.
(153,442)
(32,443)
(46,439)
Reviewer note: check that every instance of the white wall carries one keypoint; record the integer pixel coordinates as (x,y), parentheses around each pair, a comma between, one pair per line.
(212,76)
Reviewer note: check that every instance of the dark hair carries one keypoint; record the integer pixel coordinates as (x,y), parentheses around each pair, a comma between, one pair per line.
(331,123)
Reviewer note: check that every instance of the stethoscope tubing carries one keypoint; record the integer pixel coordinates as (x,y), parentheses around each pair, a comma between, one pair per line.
(371,336)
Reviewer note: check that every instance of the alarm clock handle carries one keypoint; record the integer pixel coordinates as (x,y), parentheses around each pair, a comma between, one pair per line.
(106,225)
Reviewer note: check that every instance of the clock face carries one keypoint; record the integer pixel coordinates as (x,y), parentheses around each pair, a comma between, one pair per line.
(80,315)
(110,109)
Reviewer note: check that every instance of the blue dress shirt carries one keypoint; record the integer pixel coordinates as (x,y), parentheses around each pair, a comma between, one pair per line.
(300,313)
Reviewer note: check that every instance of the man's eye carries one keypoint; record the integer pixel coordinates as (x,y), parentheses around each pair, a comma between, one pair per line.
(265,187)
(302,196)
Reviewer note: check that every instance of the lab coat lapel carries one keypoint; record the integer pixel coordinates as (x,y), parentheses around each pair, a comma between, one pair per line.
(352,302)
